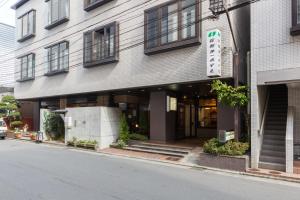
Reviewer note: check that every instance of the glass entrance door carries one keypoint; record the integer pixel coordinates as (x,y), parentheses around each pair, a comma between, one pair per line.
(186,120)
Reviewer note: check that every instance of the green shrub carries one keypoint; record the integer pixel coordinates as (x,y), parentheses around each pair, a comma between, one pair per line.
(54,126)
(136,136)
(120,144)
(230,148)
(83,143)
(124,129)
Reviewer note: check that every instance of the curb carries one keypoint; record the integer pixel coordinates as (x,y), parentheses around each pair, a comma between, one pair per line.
(192,166)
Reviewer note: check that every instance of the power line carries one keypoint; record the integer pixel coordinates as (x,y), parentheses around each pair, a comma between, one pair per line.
(120,50)
(144,24)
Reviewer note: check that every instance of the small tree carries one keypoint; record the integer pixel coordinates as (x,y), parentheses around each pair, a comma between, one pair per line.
(234,97)
(9,110)
(229,95)
(124,129)
(54,126)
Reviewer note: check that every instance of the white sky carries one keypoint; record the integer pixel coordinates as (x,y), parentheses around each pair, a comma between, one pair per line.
(7,15)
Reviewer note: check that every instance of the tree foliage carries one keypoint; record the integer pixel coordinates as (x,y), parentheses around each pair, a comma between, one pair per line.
(229,95)
(54,126)
(124,129)
(9,110)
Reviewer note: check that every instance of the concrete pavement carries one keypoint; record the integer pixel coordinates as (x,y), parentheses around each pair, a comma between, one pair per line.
(35,172)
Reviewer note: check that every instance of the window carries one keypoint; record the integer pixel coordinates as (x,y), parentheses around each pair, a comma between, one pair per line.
(58,12)
(295,30)
(27,64)
(171,25)
(26,26)
(207,113)
(101,45)
(92,4)
(58,58)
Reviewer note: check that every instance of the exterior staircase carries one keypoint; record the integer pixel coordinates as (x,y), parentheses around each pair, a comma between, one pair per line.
(163,149)
(272,155)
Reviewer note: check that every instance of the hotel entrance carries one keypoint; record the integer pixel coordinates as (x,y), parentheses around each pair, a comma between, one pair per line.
(196,118)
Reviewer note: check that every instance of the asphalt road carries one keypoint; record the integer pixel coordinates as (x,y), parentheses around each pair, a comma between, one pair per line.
(37,172)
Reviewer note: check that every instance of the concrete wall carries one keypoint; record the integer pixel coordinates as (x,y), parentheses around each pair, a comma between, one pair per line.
(134,69)
(94,123)
(294,96)
(273,50)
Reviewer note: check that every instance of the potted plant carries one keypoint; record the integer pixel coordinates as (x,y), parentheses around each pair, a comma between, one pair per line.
(18,135)
(32,136)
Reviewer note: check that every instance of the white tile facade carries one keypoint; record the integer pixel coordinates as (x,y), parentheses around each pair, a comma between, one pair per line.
(272,49)
(134,69)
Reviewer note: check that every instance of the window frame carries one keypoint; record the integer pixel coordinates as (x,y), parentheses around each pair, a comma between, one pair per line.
(59,21)
(21,79)
(59,70)
(90,6)
(295,29)
(180,43)
(28,35)
(107,60)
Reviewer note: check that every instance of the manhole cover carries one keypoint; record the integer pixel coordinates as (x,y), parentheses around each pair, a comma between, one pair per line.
(173,158)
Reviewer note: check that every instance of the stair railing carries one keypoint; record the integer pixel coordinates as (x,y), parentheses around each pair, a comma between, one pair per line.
(289,140)
(262,123)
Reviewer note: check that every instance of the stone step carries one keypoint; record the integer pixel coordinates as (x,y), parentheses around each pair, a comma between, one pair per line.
(272,159)
(274,137)
(275,127)
(272,153)
(274,132)
(149,144)
(271,166)
(154,151)
(273,148)
(273,117)
(276,123)
(273,142)
(161,148)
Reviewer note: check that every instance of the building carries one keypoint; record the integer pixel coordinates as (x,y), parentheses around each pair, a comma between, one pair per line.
(7,58)
(275,75)
(147,59)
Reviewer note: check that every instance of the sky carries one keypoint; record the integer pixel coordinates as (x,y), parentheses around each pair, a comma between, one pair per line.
(7,15)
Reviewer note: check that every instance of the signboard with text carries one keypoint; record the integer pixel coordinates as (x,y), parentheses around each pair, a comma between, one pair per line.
(171,104)
(214,53)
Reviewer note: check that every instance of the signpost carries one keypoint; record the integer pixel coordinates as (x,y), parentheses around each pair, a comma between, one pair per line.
(214,53)
(225,136)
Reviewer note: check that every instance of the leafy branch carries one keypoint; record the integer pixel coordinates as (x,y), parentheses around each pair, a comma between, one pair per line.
(229,95)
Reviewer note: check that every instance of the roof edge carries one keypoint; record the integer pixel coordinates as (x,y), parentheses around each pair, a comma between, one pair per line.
(18,4)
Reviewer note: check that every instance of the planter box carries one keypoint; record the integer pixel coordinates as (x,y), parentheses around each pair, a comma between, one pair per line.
(82,145)
(234,163)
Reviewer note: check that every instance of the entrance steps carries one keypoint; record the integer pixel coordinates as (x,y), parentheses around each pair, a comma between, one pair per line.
(272,166)
(272,155)
(163,149)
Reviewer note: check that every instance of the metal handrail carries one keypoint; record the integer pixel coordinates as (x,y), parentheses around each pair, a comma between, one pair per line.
(262,123)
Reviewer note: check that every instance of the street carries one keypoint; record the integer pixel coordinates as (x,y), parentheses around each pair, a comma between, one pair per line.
(35,172)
